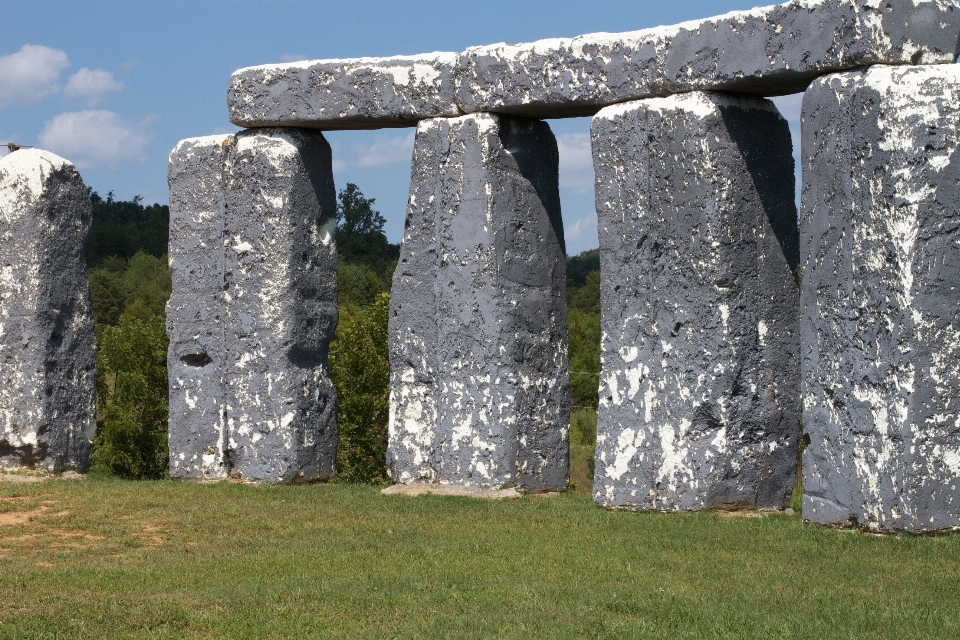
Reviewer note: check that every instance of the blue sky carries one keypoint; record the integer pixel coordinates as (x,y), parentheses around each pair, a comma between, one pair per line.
(112,86)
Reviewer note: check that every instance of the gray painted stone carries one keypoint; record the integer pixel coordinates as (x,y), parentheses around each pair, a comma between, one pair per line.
(772,50)
(280,271)
(47,355)
(880,300)
(362,93)
(196,309)
(699,386)
(478,328)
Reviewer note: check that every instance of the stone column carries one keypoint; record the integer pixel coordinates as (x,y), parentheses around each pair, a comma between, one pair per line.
(47,356)
(699,387)
(280,287)
(254,306)
(196,309)
(881,298)
(478,329)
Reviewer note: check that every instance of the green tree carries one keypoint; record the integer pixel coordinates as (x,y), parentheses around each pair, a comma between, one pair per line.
(360,368)
(116,283)
(121,228)
(357,285)
(360,236)
(131,439)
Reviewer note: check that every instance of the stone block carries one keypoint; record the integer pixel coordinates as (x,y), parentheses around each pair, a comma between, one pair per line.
(280,275)
(47,353)
(880,301)
(362,93)
(699,383)
(768,51)
(478,328)
(196,309)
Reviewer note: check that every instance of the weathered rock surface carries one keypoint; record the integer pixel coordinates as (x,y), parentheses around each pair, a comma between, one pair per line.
(47,357)
(362,93)
(196,309)
(699,386)
(769,51)
(880,299)
(253,307)
(478,329)
(280,271)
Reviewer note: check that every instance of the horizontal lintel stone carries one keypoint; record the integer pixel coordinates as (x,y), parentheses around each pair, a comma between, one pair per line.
(774,50)
(360,93)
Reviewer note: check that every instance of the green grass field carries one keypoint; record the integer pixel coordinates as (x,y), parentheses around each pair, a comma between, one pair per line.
(109,558)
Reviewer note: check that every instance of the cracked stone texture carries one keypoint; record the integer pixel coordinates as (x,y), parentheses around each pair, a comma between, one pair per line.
(699,385)
(47,353)
(280,288)
(195,311)
(768,51)
(479,390)
(362,93)
(880,302)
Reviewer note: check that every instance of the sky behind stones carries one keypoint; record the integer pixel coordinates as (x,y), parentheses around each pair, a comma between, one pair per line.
(112,86)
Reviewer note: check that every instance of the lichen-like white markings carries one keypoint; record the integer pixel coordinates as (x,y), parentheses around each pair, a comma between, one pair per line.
(880,299)
(479,385)
(768,51)
(253,308)
(699,394)
(358,93)
(47,357)
(195,311)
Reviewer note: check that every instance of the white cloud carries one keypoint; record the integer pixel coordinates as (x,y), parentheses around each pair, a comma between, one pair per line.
(293,57)
(95,138)
(91,85)
(386,150)
(576,162)
(581,234)
(30,75)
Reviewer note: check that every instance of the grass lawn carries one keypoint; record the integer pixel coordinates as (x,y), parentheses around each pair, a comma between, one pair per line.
(108,558)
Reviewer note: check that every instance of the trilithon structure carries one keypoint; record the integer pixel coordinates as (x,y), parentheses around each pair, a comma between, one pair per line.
(254,307)
(700,389)
(881,298)
(47,356)
(700,375)
(480,391)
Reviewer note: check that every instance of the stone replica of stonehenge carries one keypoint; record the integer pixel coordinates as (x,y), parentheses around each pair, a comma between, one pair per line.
(48,363)
(729,319)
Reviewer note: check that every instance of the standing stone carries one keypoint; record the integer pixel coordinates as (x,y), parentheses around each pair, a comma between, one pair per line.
(881,298)
(196,309)
(47,356)
(478,327)
(699,388)
(359,93)
(772,50)
(280,272)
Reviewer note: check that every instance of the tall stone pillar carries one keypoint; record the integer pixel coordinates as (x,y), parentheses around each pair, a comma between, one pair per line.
(195,312)
(880,299)
(47,356)
(699,386)
(280,272)
(478,332)
(254,307)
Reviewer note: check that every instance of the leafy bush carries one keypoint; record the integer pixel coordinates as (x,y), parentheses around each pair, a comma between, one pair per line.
(360,367)
(358,285)
(131,439)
